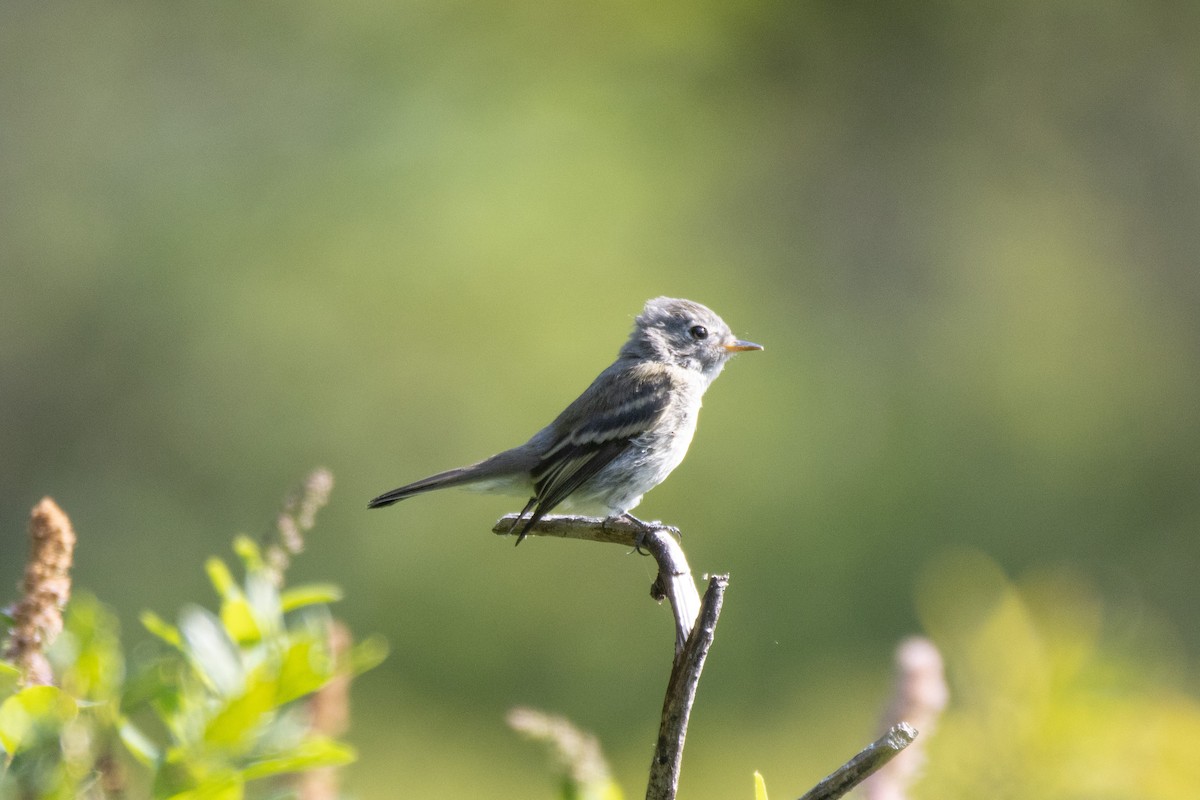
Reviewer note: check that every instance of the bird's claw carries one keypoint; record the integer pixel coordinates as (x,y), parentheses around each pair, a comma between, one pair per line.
(644,530)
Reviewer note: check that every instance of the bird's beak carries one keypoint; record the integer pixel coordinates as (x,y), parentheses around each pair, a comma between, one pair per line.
(737,345)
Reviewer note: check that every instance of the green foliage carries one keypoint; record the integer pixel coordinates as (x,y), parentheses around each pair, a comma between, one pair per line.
(205,717)
(1050,698)
(55,739)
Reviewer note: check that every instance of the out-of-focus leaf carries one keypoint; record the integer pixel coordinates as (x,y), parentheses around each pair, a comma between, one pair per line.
(30,708)
(224,787)
(172,709)
(235,727)
(10,676)
(151,681)
(313,752)
(249,552)
(263,598)
(310,594)
(87,655)
(237,615)
(138,743)
(179,771)
(162,629)
(1040,692)
(606,789)
(367,654)
(306,667)
(760,786)
(211,651)
(238,620)
(221,578)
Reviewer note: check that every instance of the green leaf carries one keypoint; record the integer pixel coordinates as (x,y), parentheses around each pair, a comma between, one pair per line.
(31,708)
(306,667)
(10,676)
(211,651)
(221,578)
(87,656)
(238,619)
(309,595)
(237,724)
(264,603)
(224,787)
(368,654)
(138,743)
(760,786)
(316,751)
(250,553)
(162,629)
(152,683)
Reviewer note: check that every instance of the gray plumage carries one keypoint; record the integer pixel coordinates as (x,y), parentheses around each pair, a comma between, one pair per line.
(620,438)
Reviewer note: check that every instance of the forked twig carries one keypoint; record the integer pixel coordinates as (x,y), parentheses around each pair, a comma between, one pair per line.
(695,622)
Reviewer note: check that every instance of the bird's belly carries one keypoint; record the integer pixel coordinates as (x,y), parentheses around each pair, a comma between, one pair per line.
(650,458)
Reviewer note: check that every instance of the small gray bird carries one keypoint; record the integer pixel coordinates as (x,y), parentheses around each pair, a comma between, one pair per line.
(623,435)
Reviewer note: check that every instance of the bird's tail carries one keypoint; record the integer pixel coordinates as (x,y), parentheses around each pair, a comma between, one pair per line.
(458,476)
(503,472)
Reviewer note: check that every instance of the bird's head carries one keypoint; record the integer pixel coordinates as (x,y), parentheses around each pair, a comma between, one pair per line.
(683,333)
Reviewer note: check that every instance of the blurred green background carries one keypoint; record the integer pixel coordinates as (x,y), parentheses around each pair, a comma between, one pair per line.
(239,241)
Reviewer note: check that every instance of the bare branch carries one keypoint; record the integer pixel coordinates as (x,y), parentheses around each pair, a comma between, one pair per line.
(681,693)
(613,530)
(695,622)
(871,758)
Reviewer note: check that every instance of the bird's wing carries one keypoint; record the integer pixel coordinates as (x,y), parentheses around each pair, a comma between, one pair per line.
(603,428)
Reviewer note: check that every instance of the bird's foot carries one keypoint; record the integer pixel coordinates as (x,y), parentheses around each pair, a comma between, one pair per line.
(644,530)
(653,526)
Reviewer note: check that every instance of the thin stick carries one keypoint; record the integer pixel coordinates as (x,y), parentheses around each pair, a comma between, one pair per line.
(681,694)
(871,758)
(695,622)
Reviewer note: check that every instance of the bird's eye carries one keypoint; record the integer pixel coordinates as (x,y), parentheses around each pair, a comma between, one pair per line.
(698,332)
